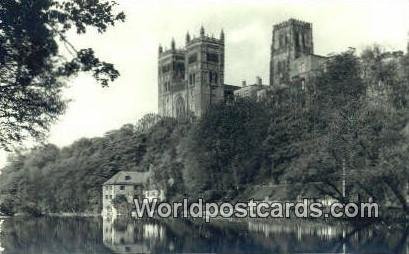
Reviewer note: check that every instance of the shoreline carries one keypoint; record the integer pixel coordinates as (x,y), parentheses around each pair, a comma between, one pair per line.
(351,221)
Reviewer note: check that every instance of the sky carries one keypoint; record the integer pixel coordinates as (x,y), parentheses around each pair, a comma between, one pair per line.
(133,48)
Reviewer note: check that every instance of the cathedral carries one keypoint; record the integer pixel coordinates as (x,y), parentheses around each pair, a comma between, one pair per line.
(292,57)
(190,79)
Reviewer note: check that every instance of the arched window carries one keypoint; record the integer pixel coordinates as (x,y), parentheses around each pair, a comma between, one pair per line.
(180,107)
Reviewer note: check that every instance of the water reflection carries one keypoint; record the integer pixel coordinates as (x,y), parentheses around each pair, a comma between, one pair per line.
(1,248)
(85,236)
(318,237)
(130,236)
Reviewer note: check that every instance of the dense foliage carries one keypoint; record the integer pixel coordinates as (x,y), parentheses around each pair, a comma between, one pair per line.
(36,58)
(348,125)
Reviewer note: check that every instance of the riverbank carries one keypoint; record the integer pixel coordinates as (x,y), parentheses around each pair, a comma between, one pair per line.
(73,215)
(61,215)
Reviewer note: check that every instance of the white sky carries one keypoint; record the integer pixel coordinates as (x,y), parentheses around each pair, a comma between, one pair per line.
(133,46)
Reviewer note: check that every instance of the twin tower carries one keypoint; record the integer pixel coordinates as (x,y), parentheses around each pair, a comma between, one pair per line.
(192,78)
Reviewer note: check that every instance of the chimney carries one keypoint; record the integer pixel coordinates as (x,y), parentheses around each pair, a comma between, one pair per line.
(243,83)
(259,81)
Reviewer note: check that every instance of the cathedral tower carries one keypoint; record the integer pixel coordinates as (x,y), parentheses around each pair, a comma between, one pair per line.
(291,40)
(204,71)
(171,83)
(192,78)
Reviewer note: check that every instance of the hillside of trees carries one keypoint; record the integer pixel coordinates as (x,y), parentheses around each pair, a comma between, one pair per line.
(349,123)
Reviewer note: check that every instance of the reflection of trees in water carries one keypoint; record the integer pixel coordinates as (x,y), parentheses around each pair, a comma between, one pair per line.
(212,237)
(379,239)
(176,236)
(227,237)
(310,237)
(1,232)
(84,236)
(52,235)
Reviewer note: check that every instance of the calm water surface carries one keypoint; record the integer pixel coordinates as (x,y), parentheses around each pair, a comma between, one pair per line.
(85,236)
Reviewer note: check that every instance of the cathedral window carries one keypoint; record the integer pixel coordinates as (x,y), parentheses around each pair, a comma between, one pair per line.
(192,58)
(281,41)
(192,79)
(166,68)
(212,57)
(180,107)
(297,40)
(213,78)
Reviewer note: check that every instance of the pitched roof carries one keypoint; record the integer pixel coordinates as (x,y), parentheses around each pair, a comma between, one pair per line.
(129,178)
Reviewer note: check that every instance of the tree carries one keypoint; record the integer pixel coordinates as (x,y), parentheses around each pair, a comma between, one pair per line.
(33,68)
(332,123)
(222,152)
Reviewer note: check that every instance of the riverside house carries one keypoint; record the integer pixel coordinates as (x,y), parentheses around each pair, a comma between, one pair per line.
(125,186)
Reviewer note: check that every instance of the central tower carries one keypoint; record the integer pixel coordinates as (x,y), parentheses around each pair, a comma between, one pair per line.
(291,40)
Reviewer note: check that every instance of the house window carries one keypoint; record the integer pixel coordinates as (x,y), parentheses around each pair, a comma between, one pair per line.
(106,197)
(302,68)
(122,187)
(127,178)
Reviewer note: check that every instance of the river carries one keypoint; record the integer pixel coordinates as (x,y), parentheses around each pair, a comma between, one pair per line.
(95,235)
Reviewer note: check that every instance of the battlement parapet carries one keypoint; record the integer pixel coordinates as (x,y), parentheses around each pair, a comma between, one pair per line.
(168,52)
(292,22)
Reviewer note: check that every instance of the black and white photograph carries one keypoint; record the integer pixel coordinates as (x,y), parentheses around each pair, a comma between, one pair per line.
(204,127)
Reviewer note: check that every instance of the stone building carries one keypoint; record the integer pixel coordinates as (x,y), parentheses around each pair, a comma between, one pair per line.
(250,91)
(192,78)
(128,185)
(292,53)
